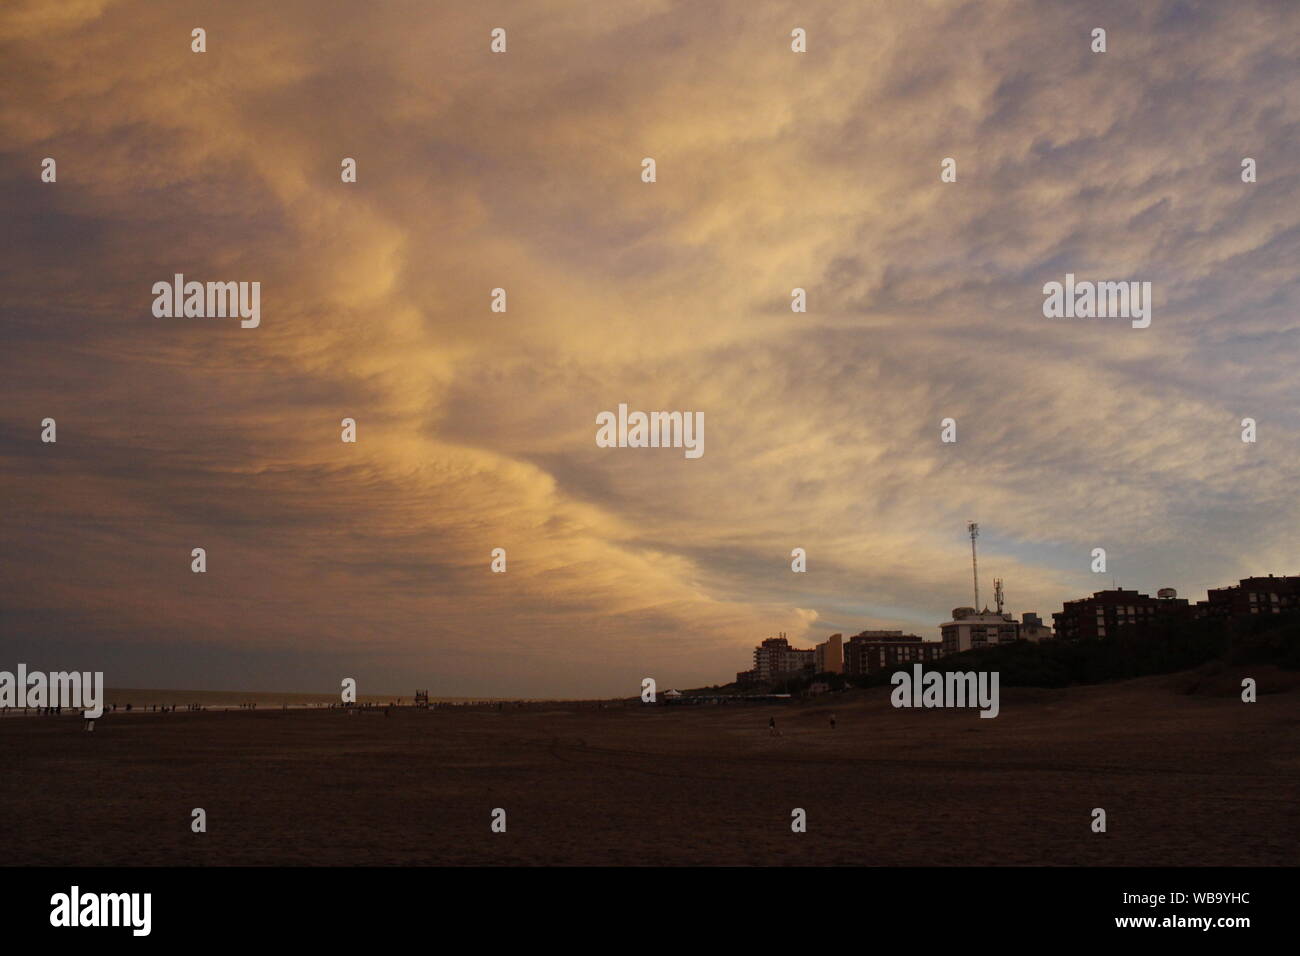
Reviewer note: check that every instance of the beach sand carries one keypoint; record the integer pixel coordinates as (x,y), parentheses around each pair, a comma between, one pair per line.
(1187,774)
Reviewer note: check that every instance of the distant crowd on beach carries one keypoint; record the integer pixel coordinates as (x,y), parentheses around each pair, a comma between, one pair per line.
(362,706)
(56,711)
(314,705)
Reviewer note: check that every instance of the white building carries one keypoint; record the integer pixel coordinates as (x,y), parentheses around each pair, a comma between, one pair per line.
(970,629)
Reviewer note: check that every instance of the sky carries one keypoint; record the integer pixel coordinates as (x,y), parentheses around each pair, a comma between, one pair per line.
(476,429)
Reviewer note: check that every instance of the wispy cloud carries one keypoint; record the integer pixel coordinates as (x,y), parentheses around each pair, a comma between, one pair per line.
(477,429)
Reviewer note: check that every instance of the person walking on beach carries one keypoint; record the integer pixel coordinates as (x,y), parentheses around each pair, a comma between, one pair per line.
(771,728)
(832,721)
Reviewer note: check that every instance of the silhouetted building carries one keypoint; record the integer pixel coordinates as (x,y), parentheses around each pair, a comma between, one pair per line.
(1270,595)
(1106,613)
(972,630)
(873,651)
(1032,628)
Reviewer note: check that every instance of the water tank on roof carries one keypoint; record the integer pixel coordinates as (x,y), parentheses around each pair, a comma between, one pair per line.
(960,612)
(1167,594)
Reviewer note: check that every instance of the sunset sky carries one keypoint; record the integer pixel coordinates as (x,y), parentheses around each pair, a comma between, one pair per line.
(476,430)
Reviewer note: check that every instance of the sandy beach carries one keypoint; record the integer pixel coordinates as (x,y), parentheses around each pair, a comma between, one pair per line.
(1187,773)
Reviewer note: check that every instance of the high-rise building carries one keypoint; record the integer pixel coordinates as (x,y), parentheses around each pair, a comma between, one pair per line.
(828,656)
(776,658)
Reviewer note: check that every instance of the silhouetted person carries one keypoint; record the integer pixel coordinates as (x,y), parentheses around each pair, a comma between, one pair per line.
(832,721)
(771,727)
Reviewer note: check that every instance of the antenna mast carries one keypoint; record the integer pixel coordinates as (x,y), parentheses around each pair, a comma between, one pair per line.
(974,530)
(997,593)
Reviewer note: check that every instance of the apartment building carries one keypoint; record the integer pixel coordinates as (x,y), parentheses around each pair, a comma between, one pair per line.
(1110,612)
(872,651)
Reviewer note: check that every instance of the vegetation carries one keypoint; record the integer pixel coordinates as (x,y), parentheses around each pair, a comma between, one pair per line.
(1271,639)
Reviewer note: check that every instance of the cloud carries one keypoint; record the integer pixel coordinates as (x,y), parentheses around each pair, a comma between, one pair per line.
(521,171)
